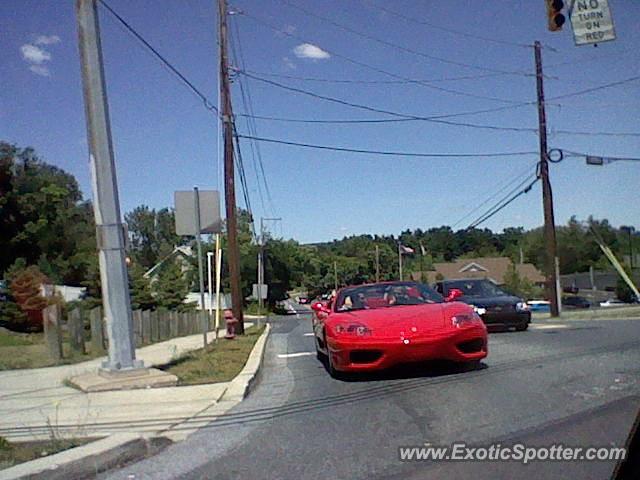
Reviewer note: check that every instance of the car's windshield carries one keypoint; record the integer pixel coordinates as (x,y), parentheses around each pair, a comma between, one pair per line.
(385,295)
(477,288)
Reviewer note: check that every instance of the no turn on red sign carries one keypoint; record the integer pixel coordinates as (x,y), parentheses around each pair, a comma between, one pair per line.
(591,21)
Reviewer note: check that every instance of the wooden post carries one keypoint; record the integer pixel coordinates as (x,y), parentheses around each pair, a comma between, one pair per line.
(173,328)
(53,340)
(97,331)
(137,327)
(155,334)
(75,327)
(163,325)
(146,327)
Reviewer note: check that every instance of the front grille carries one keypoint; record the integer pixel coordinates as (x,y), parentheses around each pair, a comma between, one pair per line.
(364,356)
(501,308)
(471,346)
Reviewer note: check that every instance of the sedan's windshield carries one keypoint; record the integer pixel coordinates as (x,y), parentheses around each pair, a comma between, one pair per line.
(385,295)
(477,288)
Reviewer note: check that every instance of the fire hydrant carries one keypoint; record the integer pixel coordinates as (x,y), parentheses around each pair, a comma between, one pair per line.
(232,323)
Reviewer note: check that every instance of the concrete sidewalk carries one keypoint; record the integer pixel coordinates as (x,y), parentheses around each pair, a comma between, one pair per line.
(35,404)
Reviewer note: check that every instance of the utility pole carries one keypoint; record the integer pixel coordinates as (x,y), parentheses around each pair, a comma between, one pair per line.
(229,172)
(551,271)
(377,263)
(106,205)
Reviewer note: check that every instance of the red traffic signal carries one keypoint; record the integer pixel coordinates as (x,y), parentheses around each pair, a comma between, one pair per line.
(554,14)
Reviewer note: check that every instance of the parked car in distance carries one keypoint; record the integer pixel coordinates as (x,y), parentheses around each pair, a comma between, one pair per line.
(540,306)
(495,306)
(612,302)
(575,302)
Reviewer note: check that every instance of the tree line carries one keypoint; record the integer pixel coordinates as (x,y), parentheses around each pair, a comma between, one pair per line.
(47,224)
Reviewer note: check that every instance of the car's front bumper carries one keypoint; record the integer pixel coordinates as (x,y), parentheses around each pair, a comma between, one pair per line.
(509,318)
(464,345)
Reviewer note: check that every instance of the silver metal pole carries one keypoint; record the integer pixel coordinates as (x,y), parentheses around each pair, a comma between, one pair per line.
(106,206)
(205,326)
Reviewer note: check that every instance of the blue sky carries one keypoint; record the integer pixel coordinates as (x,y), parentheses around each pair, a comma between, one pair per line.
(165,140)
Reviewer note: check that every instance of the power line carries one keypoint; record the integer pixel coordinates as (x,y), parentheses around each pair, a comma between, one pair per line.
(595,89)
(379,82)
(380,70)
(501,188)
(449,30)
(248,121)
(395,45)
(401,120)
(388,153)
(570,153)
(502,205)
(434,119)
(251,124)
(208,105)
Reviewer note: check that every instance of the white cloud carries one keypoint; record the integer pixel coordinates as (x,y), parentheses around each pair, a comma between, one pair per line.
(33,54)
(47,39)
(289,63)
(37,56)
(40,70)
(307,50)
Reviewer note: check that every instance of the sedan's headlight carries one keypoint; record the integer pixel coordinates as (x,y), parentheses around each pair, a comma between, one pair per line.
(479,310)
(522,307)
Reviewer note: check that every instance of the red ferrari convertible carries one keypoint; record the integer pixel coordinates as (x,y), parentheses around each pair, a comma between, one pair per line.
(376,326)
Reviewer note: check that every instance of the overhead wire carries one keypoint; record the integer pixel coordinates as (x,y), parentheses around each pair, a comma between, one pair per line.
(376,69)
(397,46)
(208,105)
(251,124)
(434,118)
(504,202)
(387,152)
(446,29)
(502,186)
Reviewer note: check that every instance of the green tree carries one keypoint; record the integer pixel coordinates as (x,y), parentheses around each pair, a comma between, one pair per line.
(171,289)
(152,234)
(142,297)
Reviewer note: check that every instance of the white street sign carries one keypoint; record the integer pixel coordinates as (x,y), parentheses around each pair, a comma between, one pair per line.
(260,289)
(591,22)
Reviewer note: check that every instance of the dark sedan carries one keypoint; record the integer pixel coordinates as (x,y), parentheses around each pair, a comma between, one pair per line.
(575,302)
(496,307)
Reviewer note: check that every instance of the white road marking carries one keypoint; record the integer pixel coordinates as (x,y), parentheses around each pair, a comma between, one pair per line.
(295,355)
(549,326)
(310,334)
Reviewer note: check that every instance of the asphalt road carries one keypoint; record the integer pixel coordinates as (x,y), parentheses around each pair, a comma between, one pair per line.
(571,382)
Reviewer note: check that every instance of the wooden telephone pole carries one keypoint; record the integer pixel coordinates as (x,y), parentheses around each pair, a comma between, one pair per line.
(551,271)
(229,172)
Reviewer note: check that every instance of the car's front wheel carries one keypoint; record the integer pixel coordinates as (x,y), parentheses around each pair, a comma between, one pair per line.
(522,327)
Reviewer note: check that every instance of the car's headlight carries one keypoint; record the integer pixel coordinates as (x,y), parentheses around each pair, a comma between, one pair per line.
(356,329)
(464,319)
(479,310)
(522,307)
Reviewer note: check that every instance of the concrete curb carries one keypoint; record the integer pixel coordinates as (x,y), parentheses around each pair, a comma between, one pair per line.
(242,384)
(87,460)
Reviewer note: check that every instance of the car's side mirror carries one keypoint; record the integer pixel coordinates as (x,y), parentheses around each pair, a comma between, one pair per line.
(318,307)
(454,294)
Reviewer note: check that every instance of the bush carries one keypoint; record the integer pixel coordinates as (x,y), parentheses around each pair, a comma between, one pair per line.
(25,288)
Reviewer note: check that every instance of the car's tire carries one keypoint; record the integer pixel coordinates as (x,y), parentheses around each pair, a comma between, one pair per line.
(522,327)
(319,353)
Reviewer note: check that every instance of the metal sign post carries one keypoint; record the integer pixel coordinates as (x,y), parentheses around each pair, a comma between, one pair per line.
(196,211)
(218,278)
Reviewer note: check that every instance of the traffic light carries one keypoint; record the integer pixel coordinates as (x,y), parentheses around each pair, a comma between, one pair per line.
(555,15)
